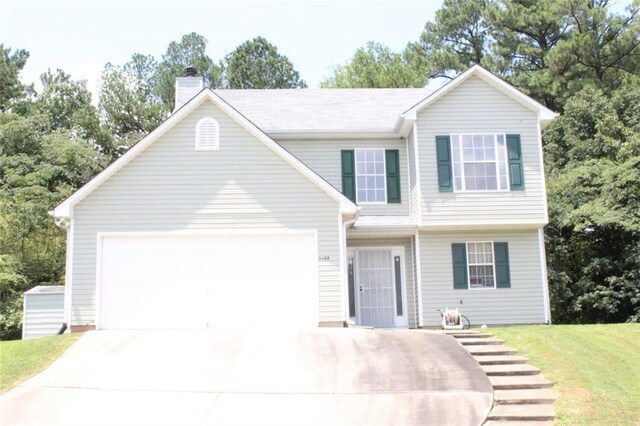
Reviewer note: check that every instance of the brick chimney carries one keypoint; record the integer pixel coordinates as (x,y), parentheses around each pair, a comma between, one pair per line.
(188,86)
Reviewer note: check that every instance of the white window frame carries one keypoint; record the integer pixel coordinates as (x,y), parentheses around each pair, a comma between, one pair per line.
(384,175)
(493,265)
(497,161)
(216,145)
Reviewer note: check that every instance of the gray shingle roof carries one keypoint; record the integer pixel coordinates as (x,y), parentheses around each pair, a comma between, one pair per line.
(299,110)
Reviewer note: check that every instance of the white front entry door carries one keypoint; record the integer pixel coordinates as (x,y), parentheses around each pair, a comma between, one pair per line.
(379,288)
(157,281)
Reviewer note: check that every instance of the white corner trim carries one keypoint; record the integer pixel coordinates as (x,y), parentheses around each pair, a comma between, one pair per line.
(545,279)
(419,276)
(68,275)
(65,208)
(544,113)
(418,183)
(542,174)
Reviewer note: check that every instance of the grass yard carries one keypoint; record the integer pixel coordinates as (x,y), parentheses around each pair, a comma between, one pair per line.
(595,369)
(22,359)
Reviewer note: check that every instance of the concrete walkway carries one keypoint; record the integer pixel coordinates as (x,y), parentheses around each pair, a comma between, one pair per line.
(319,376)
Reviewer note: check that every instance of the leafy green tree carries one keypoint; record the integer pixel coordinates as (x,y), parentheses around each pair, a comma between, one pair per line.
(525,32)
(257,64)
(458,39)
(12,286)
(190,51)
(602,49)
(375,65)
(128,102)
(11,89)
(593,163)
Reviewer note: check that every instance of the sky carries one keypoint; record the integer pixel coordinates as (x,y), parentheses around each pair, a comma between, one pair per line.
(80,37)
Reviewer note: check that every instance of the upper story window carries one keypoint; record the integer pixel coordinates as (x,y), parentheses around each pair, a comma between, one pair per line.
(207,134)
(370,176)
(479,162)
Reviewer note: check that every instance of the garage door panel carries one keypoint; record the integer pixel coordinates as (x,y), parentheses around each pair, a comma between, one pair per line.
(208,281)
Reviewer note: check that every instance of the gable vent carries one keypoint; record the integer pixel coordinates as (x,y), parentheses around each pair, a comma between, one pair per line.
(207,134)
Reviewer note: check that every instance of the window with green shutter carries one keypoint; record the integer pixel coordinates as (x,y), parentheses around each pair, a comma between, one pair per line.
(480,264)
(392,158)
(515,163)
(349,174)
(459,257)
(443,154)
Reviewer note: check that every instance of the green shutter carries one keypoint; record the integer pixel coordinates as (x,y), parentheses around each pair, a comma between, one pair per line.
(352,290)
(443,153)
(392,158)
(515,163)
(398,274)
(501,254)
(459,257)
(349,174)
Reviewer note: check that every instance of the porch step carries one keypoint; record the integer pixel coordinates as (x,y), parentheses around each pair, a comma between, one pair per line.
(510,370)
(490,350)
(524,396)
(500,359)
(460,332)
(519,382)
(526,412)
(480,341)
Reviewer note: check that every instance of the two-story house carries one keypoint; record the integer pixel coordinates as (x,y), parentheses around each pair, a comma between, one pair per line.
(371,207)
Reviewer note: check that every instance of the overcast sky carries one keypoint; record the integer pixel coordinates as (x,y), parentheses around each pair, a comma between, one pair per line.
(81,36)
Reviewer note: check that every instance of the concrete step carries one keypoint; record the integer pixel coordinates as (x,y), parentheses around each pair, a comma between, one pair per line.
(469,335)
(524,396)
(490,350)
(500,359)
(526,412)
(460,332)
(518,423)
(510,370)
(519,382)
(480,341)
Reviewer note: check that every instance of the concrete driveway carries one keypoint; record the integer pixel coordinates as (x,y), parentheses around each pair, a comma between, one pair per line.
(253,376)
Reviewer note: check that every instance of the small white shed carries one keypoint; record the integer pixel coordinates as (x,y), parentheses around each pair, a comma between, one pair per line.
(43,312)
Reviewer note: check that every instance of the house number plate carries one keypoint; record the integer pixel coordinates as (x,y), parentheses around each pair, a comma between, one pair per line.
(324,258)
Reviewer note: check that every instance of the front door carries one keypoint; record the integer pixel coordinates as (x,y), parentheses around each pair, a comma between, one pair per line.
(378,287)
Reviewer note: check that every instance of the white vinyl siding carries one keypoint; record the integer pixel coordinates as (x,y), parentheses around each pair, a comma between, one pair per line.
(522,303)
(477,107)
(171,187)
(408,266)
(323,156)
(43,314)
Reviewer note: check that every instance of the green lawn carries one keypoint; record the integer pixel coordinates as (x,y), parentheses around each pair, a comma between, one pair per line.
(595,369)
(22,359)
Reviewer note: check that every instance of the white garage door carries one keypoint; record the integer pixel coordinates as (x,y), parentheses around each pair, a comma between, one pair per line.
(200,281)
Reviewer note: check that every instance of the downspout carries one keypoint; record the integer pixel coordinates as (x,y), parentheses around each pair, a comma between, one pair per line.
(345,262)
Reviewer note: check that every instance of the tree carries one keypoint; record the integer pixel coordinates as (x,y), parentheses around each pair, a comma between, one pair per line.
(256,64)
(458,39)
(190,51)
(128,100)
(375,65)
(11,89)
(602,50)
(593,165)
(525,32)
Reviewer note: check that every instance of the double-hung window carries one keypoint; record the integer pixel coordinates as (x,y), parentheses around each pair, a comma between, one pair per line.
(479,162)
(370,176)
(480,261)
